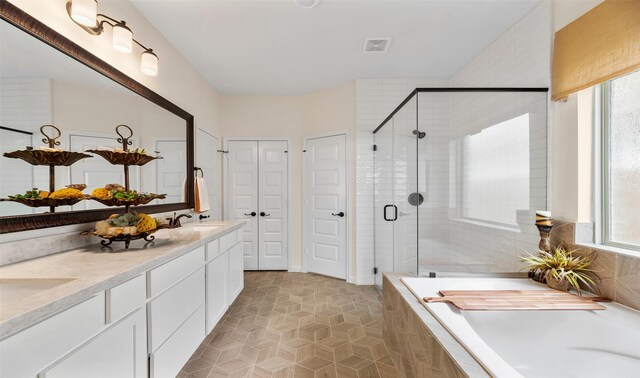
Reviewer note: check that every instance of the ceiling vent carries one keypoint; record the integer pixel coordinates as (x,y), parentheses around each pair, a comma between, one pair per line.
(376,45)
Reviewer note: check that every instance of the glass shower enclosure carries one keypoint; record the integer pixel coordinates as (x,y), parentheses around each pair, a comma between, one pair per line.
(458,176)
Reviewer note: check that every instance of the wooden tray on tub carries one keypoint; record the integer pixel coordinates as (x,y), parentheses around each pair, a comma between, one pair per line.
(514,300)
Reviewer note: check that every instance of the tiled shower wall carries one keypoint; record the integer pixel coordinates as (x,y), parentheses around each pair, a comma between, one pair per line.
(478,245)
(521,57)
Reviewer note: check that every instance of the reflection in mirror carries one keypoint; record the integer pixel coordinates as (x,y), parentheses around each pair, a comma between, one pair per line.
(40,85)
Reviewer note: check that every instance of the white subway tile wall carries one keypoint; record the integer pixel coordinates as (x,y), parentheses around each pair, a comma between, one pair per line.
(519,58)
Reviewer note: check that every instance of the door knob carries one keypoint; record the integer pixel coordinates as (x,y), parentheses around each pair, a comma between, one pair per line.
(253,214)
(263,214)
(340,214)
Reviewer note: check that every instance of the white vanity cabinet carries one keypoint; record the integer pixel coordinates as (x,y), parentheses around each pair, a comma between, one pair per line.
(145,327)
(85,340)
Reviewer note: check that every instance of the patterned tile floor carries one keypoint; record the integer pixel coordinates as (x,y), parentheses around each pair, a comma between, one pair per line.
(296,325)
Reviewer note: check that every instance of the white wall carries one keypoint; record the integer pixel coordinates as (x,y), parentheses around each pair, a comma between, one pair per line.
(291,117)
(520,57)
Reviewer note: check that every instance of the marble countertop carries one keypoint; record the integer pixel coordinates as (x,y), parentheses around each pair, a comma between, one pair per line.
(77,274)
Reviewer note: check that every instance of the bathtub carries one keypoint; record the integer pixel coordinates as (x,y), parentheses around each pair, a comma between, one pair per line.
(549,344)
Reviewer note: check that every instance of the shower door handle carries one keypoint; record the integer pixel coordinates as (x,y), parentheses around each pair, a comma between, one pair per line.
(384,212)
(395,213)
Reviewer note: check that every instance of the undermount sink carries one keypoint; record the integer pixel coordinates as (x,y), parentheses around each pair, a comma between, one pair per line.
(13,289)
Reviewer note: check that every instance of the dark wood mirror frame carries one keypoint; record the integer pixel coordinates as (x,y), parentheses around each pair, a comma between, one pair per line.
(20,19)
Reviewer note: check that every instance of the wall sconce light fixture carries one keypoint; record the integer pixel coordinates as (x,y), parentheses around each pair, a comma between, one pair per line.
(85,14)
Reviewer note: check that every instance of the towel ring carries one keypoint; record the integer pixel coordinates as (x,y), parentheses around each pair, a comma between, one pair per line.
(198,169)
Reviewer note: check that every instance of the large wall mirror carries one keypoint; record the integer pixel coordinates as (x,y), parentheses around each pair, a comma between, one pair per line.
(45,79)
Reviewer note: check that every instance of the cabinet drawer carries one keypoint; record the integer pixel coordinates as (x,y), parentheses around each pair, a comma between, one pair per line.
(213,249)
(166,275)
(28,352)
(119,351)
(172,355)
(169,310)
(227,241)
(126,297)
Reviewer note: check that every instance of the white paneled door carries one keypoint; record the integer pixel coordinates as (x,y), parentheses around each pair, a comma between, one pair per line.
(272,205)
(258,193)
(243,195)
(325,202)
(170,169)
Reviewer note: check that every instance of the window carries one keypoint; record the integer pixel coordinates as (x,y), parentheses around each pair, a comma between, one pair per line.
(495,176)
(621,162)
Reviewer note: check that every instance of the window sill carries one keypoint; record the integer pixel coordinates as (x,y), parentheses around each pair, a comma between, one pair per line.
(608,248)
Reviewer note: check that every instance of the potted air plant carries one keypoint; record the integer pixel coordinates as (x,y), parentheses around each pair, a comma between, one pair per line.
(562,270)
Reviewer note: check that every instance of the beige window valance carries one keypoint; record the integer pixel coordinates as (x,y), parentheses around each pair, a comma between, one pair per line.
(602,44)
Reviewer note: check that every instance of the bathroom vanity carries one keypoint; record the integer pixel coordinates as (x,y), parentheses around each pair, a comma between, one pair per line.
(119,313)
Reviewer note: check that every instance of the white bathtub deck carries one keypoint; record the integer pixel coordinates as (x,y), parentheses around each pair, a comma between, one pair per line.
(538,343)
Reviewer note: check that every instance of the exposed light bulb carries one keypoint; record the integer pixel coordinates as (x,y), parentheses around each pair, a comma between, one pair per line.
(122,38)
(84,12)
(149,63)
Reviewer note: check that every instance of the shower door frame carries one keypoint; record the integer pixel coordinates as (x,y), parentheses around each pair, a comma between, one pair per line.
(390,117)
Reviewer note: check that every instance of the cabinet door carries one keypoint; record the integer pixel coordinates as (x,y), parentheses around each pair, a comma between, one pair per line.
(33,349)
(272,203)
(236,272)
(216,289)
(167,361)
(119,351)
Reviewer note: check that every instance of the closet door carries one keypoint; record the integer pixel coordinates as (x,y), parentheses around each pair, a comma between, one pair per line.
(243,195)
(325,199)
(272,205)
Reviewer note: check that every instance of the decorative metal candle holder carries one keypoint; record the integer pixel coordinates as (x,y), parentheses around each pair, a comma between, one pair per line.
(545,240)
(544,223)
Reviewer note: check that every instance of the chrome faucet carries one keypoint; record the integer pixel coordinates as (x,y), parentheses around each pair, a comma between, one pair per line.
(175,221)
